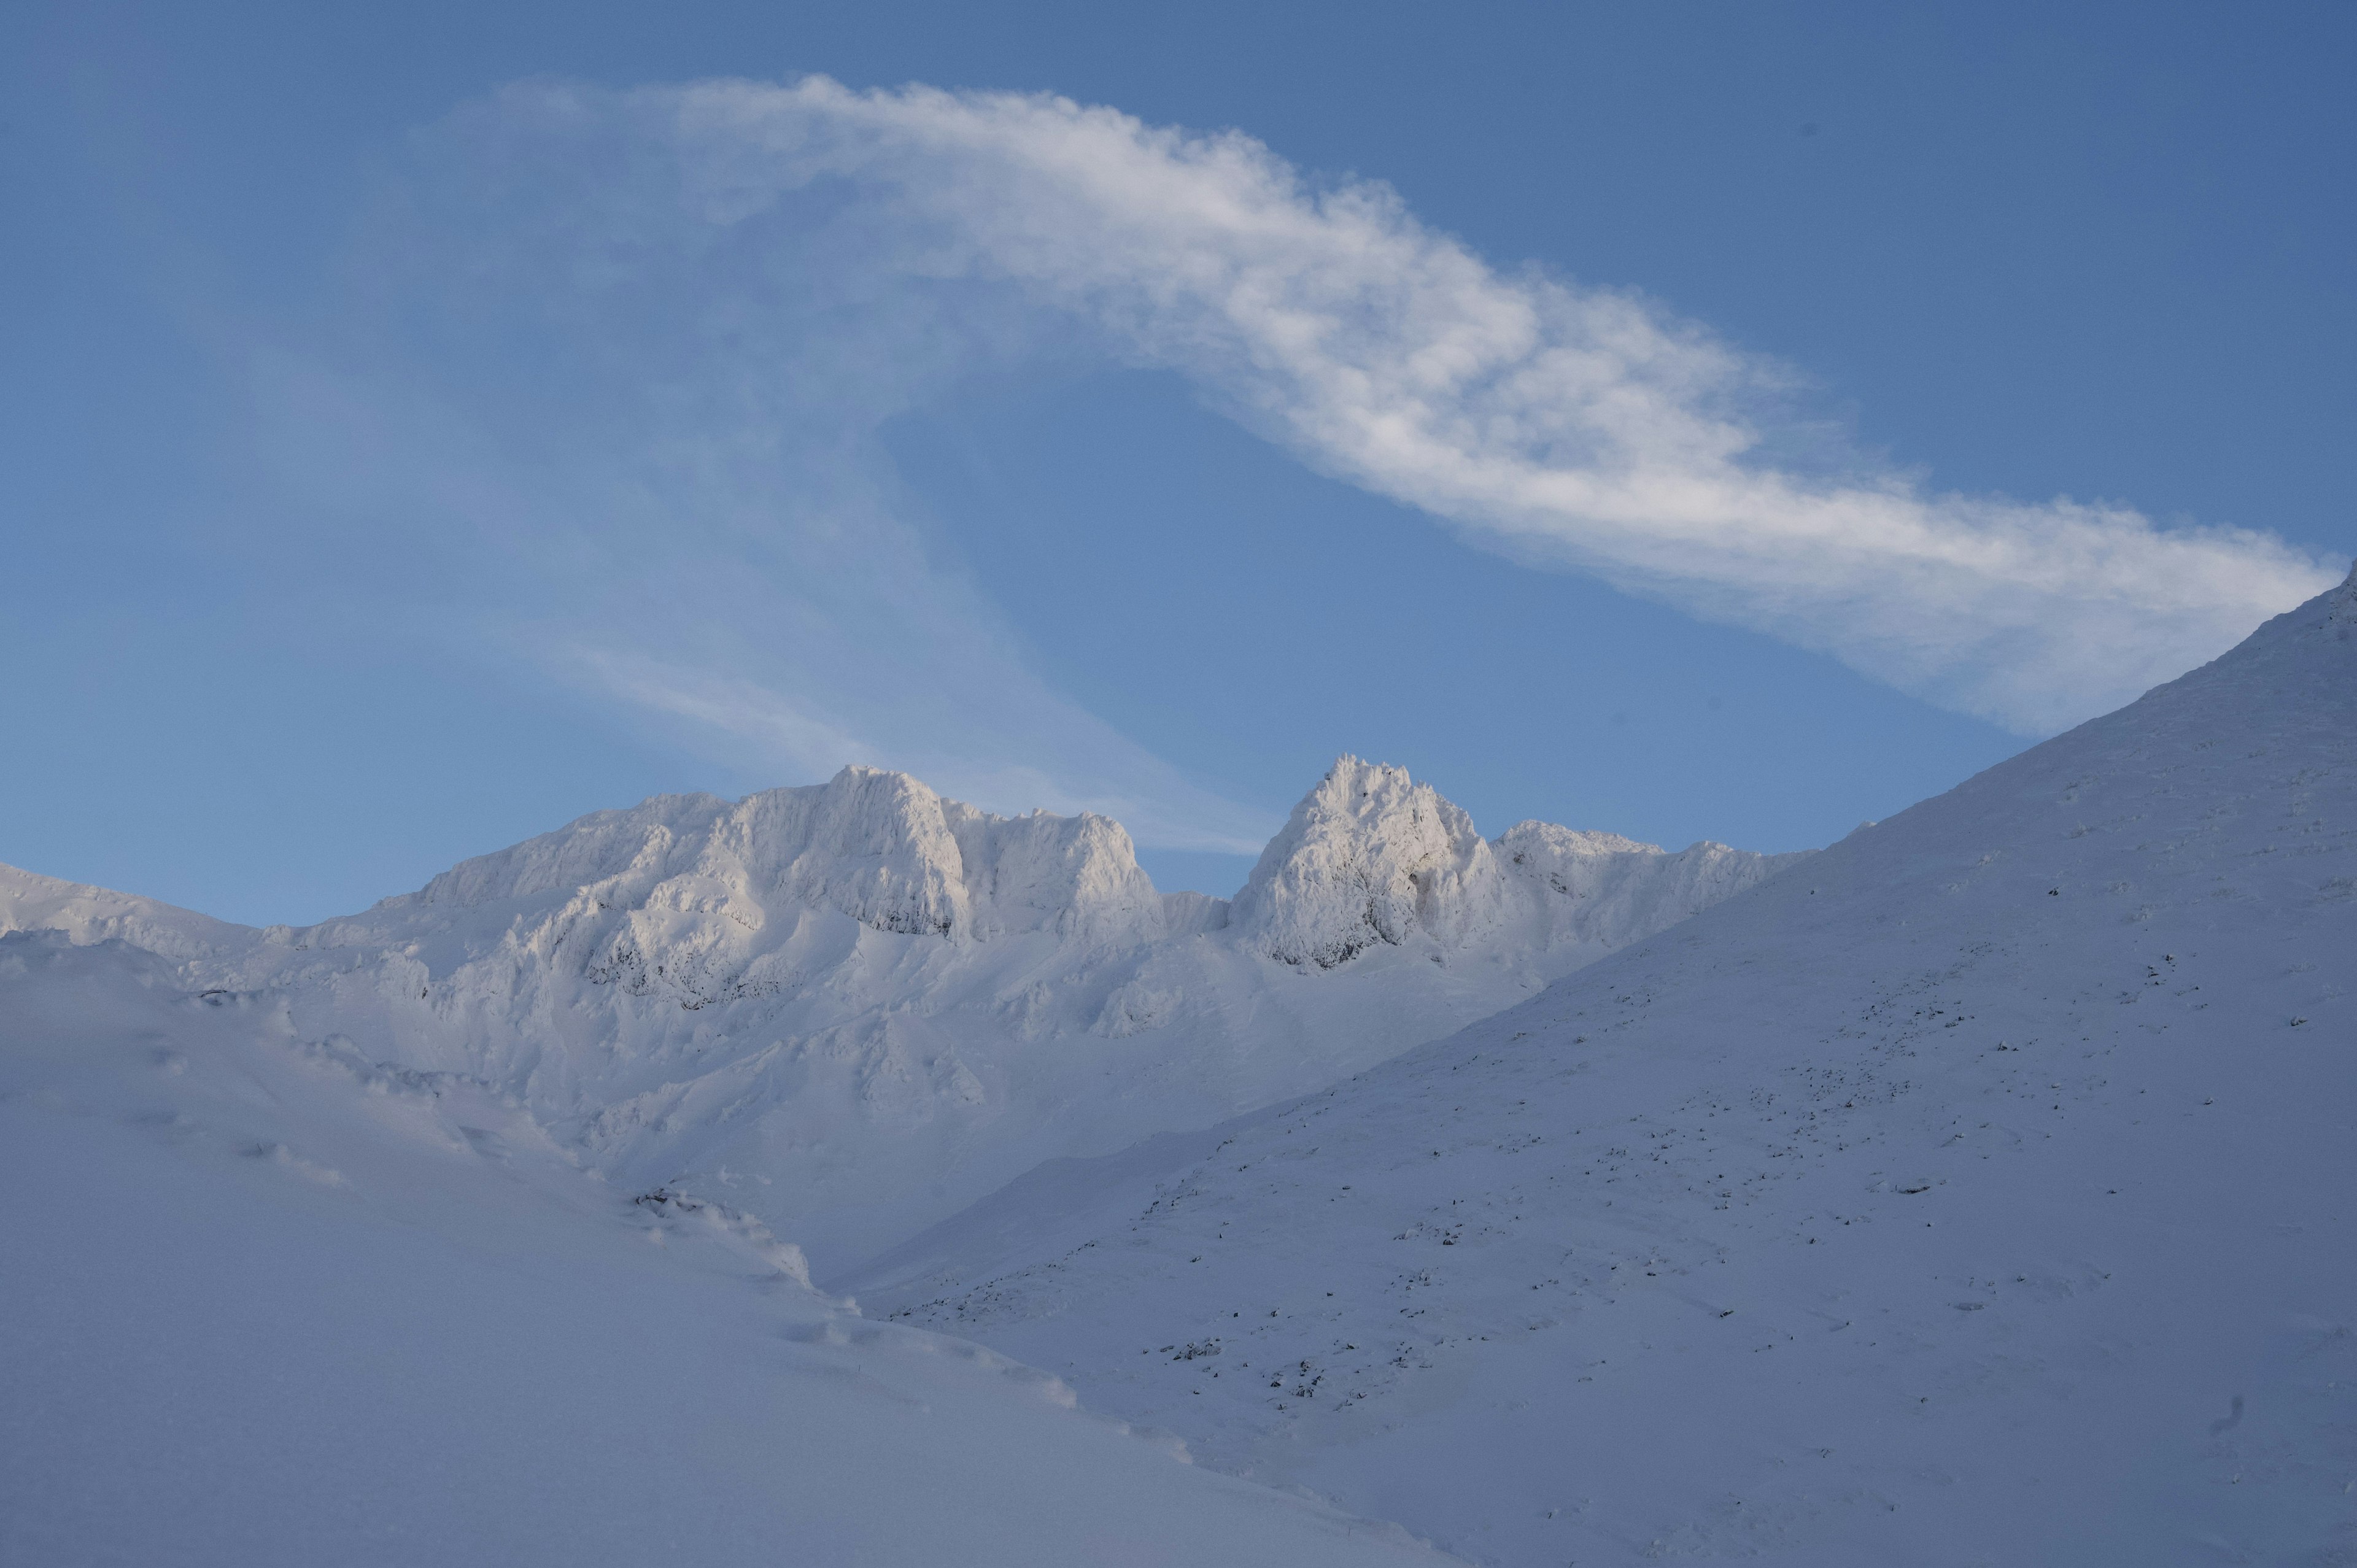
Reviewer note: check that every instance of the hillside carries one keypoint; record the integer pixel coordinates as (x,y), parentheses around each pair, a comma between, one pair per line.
(1979,1193)
(271,1304)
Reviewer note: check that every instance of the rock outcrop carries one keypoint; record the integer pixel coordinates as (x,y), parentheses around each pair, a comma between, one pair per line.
(858,1005)
(1371,857)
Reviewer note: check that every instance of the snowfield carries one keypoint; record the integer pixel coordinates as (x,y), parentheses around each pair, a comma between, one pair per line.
(269,1302)
(1980,1190)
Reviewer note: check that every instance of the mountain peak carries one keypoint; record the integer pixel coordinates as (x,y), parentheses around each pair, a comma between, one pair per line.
(1368,856)
(877,845)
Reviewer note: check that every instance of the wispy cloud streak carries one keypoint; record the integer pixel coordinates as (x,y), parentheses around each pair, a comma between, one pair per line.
(1576,427)
(613,366)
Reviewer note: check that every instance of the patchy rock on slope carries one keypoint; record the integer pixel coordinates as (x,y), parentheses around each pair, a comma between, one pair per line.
(1978,1192)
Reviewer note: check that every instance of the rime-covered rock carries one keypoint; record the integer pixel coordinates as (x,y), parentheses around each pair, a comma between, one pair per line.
(857,1006)
(1370,857)
(879,847)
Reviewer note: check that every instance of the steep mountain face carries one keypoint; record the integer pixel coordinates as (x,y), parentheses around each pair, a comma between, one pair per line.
(1372,859)
(879,847)
(1369,856)
(1979,1192)
(852,1008)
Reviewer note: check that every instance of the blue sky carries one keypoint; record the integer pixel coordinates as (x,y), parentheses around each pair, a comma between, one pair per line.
(426,423)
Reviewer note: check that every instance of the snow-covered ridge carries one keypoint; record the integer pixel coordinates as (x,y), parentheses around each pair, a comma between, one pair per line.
(87,915)
(877,846)
(856,1006)
(1979,1192)
(1371,856)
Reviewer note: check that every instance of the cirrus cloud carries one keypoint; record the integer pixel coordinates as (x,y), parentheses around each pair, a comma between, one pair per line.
(1574,426)
(634,349)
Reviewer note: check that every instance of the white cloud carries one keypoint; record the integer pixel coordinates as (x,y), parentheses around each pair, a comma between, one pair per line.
(612,368)
(642,454)
(1574,426)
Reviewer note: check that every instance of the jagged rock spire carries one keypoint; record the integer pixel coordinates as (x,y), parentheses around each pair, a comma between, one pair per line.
(880,846)
(1368,856)
(1372,859)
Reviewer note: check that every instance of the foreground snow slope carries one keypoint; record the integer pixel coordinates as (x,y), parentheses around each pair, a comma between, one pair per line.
(852,1008)
(270,1304)
(1982,1192)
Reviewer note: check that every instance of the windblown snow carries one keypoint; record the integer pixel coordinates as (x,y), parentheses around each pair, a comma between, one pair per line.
(855,1007)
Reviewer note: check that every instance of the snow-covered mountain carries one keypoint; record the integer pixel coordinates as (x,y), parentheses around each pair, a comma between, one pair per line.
(1983,1192)
(271,1304)
(855,1007)
(1370,858)
(1977,1191)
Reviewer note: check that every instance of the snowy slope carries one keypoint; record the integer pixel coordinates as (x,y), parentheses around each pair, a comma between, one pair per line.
(854,1008)
(84,914)
(270,1304)
(1983,1192)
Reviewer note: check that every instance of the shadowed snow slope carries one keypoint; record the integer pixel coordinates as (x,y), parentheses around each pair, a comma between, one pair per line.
(1980,1192)
(270,1304)
(855,1007)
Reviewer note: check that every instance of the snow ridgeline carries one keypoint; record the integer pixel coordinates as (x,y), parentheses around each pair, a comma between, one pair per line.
(1370,856)
(854,1008)
(1981,1192)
